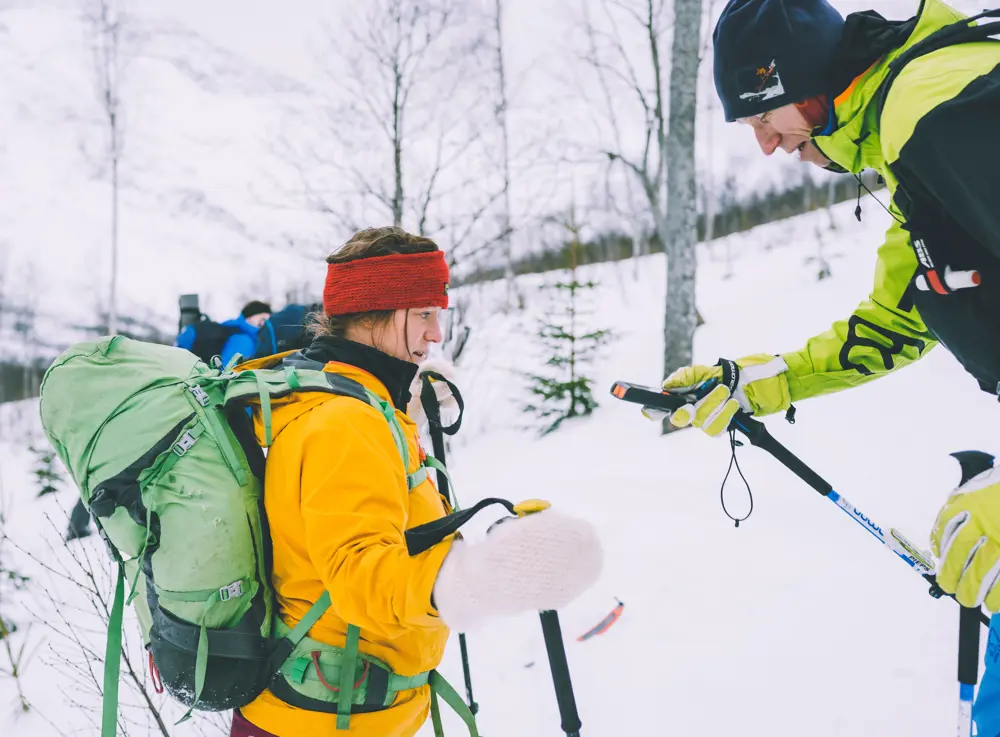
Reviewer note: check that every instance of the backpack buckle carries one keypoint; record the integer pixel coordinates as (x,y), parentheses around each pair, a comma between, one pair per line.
(184,444)
(232,591)
(200,395)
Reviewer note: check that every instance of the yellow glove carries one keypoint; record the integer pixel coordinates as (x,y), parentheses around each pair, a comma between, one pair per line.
(966,540)
(756,383)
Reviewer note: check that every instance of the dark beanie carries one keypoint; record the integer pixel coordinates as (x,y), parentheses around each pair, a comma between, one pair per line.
(771,53)
(255,307)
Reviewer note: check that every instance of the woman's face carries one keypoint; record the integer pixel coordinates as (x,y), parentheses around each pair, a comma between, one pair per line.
(786,128)
(411,333)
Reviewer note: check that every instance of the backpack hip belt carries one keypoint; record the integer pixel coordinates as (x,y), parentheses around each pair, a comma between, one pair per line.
(316,674)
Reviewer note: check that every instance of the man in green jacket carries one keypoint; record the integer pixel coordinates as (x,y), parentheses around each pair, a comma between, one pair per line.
(865,92)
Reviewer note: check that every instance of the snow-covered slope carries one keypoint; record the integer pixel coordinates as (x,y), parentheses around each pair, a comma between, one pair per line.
(795,623)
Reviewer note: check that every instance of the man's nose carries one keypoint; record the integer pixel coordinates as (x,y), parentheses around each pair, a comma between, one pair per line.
(767,139)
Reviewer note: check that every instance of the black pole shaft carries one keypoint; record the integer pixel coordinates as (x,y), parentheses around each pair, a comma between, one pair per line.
(437,442)
(473,706)
(759,437)
(968,645)
(560,673)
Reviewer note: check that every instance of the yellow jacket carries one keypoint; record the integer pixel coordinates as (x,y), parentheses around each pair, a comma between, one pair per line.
(337,504)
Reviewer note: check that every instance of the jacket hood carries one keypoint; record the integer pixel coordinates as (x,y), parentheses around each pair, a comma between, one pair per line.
(854,145)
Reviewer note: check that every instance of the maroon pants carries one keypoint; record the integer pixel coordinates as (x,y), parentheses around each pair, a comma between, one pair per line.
(242,728)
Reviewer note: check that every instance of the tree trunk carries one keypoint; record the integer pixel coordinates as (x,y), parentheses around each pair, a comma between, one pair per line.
(113,296)
(397,146)
(505,227)
(680,233)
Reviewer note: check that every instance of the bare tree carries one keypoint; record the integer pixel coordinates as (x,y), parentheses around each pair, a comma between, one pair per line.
(680,235)
(605,53)
(626,52)
(403,138)
(104,23)
(501,116)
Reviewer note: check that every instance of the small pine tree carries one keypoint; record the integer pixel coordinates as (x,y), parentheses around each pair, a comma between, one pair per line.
(47,473)
(566,391)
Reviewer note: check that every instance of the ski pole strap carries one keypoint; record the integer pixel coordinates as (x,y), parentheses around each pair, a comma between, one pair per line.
(758,435)
(423,537)
(432,408)
(112,657)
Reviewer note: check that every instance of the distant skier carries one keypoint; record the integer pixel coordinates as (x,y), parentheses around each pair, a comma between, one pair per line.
(866,92)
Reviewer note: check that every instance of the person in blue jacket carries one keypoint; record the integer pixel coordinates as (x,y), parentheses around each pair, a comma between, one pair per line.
(252,318)
(239,335)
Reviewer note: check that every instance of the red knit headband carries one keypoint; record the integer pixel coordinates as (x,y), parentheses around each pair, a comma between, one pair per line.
(392,282)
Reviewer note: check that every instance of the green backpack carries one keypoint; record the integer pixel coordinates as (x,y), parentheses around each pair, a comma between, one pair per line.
(163,452)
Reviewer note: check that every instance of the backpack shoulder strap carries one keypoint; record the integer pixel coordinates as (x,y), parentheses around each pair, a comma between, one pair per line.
(298,374)
(963,31)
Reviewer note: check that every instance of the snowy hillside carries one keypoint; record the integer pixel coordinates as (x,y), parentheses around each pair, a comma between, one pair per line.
(795,623)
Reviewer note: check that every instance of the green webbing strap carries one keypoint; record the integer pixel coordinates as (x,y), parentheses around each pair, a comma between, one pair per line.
(235,361)
(405,683)
(265,407)
(142,553)
(436,716)
(413,480)
(292,378)
(348,666)
(434,463)
(112,658)
(200,658)
(196,596)
(222,438)
(389,412)
(200,665)
(441,687)
(312,616)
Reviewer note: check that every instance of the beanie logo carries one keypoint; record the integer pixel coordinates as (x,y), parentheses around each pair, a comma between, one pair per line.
(764,83)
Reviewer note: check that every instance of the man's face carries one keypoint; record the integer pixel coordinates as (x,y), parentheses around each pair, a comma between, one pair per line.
(786,128)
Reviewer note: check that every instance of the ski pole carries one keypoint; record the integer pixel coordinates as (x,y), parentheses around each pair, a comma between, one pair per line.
(757,434)
(968,666)
(429,401)
(568,714)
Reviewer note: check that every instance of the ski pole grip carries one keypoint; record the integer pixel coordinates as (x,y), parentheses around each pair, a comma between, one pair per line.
(647,396)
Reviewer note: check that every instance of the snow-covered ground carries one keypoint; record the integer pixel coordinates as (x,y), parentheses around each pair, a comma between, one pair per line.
(795,623)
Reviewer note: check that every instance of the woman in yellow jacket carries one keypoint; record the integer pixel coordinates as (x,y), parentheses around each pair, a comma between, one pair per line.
(338,504)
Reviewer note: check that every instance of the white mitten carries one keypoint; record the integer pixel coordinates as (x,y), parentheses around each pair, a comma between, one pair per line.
(541,561)
(447,402)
